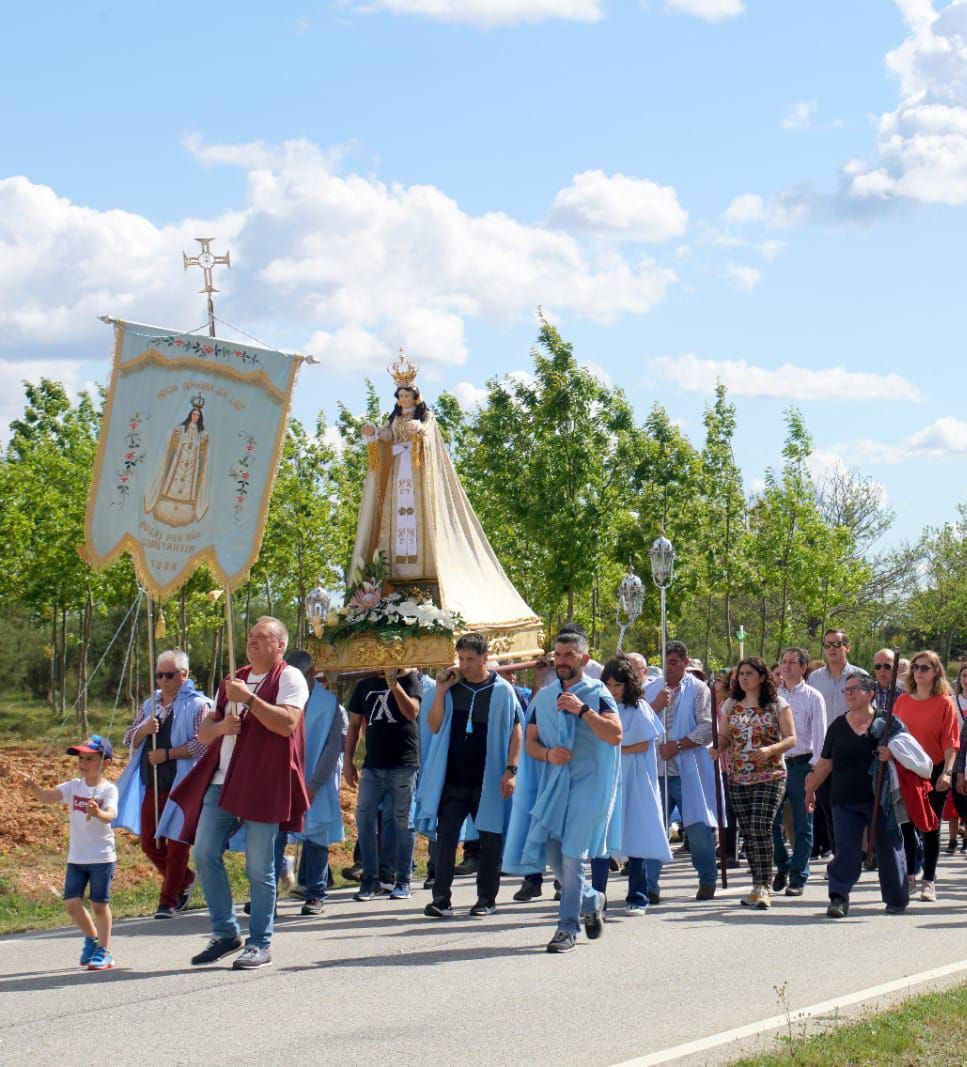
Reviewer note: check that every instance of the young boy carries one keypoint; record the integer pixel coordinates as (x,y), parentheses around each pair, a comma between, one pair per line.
(92,802)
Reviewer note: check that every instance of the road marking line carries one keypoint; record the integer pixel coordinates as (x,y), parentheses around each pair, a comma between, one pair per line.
(691,1048)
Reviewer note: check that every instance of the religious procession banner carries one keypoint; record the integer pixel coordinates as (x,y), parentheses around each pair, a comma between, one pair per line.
(189,447)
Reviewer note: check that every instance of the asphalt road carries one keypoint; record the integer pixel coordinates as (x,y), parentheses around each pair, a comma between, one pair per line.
(379,983)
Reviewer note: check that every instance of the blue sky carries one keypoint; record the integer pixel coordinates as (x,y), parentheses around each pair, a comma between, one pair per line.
(770,193)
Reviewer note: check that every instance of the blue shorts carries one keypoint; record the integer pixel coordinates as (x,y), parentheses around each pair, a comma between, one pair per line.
(98,874)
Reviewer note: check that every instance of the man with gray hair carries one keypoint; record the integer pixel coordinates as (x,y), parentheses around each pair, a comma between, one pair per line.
(250,779)
(164,746)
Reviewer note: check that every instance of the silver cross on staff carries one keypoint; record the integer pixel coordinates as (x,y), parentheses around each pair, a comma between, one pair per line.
(207,260)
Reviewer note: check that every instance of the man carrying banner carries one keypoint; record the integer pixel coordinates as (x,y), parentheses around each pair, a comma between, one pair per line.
(250,779)
(172,716)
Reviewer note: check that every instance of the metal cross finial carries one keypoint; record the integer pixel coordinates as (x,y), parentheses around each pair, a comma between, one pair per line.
(207,260)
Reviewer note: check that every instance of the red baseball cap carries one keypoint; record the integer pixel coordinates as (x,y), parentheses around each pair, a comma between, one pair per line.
(95,745)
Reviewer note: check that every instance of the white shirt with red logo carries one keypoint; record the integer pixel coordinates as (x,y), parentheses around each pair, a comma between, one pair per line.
(92,841)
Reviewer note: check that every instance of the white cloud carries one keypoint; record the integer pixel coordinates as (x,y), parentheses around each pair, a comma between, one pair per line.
(597,371)
(486,13)
(922,144)
(944,438)
(634,208)
(350,266)
(746,278)
(469,396)
(800,116)
(785,382)
(749,207)
(62,265)
(72,374)
(709,10)
(771,248)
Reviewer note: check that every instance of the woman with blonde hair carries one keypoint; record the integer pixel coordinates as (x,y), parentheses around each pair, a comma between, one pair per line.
(927,710)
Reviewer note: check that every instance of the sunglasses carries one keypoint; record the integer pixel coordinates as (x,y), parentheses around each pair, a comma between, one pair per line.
(167,675)
(883,666)
(922,667)
(835,644)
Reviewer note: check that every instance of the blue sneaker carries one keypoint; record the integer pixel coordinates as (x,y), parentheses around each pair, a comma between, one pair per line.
(400,891)
(90,947)
(102,960)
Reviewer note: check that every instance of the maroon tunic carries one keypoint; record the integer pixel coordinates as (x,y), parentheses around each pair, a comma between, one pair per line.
(265,778)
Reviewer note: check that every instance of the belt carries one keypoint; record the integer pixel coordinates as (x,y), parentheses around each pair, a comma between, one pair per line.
(804,758)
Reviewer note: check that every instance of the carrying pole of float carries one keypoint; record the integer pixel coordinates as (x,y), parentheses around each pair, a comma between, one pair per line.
(149,607)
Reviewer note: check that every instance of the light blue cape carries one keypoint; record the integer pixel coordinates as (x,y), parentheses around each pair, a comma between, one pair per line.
(494,810)
(323,825)
(130,787)
(574,803)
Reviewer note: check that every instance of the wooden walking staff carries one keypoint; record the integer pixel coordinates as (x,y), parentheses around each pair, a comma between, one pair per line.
(717,768)
(881,766)
(149,606)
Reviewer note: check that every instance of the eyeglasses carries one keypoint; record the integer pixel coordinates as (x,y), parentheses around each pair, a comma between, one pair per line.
(167,675)
(853,689)
(922,667)
(835,644)
(883,666)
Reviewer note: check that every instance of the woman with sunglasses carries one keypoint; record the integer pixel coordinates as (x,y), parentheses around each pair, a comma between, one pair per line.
(927,710)
(758,729)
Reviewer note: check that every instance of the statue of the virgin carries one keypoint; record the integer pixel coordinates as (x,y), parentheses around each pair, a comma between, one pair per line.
(414,511)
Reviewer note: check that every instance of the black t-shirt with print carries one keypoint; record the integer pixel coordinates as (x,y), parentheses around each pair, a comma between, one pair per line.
(392,740)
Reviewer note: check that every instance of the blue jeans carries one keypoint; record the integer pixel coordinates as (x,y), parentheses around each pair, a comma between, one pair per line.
(637,878)
(215,827)
(578,897)
(317,870)
(701,840)
(374,784)
(891,861)
(796,864)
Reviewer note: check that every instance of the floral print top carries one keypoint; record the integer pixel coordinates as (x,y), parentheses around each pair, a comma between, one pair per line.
(750,729)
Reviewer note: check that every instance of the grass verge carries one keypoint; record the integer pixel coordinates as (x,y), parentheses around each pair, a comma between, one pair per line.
(926,1031)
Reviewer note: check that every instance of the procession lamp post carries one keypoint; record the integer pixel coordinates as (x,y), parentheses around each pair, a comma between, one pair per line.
(662,555)
(631,597)
(206,260)
(317,608)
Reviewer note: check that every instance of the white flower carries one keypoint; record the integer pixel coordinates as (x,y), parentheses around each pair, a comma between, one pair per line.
(409,620)
(408,607)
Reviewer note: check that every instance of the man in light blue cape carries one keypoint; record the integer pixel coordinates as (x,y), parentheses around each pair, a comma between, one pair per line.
(684,704)
(469,770)
(172,717)
(326,726)
(568,789)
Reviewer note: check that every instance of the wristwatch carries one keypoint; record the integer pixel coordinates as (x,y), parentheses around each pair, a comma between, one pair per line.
(510,769)
(585,708)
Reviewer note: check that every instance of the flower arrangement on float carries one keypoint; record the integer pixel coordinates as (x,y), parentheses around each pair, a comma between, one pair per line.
(369,611)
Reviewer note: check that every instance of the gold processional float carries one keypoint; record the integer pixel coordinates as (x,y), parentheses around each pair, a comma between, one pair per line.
(422,569)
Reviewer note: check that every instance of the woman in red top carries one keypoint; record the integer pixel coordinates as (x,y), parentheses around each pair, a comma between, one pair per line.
(928,712)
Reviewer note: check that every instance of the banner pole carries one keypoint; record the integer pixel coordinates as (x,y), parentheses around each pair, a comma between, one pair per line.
(149,604)
(230,631)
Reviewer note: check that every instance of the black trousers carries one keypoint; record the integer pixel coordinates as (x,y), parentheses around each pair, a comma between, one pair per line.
(824,812)
(456,803)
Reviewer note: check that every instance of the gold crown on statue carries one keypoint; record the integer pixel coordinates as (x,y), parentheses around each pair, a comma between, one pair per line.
(198,401)
(403,372)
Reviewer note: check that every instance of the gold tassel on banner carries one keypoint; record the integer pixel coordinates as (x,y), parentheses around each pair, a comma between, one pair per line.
(160,629)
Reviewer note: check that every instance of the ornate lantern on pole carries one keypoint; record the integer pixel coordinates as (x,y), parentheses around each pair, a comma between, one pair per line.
(317,608)
(662,555)
(631,596)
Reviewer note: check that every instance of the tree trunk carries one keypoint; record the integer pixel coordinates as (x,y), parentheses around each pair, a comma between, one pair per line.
(213,675)
(183,619)
(570,603)
(594,614)
(762,626)
(708,633)
(52,684)
(82,650)
(248,604)
(62,657)
(268,596)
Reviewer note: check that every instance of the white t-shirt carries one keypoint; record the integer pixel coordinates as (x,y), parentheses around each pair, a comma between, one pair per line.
(92,841)
(293,692)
